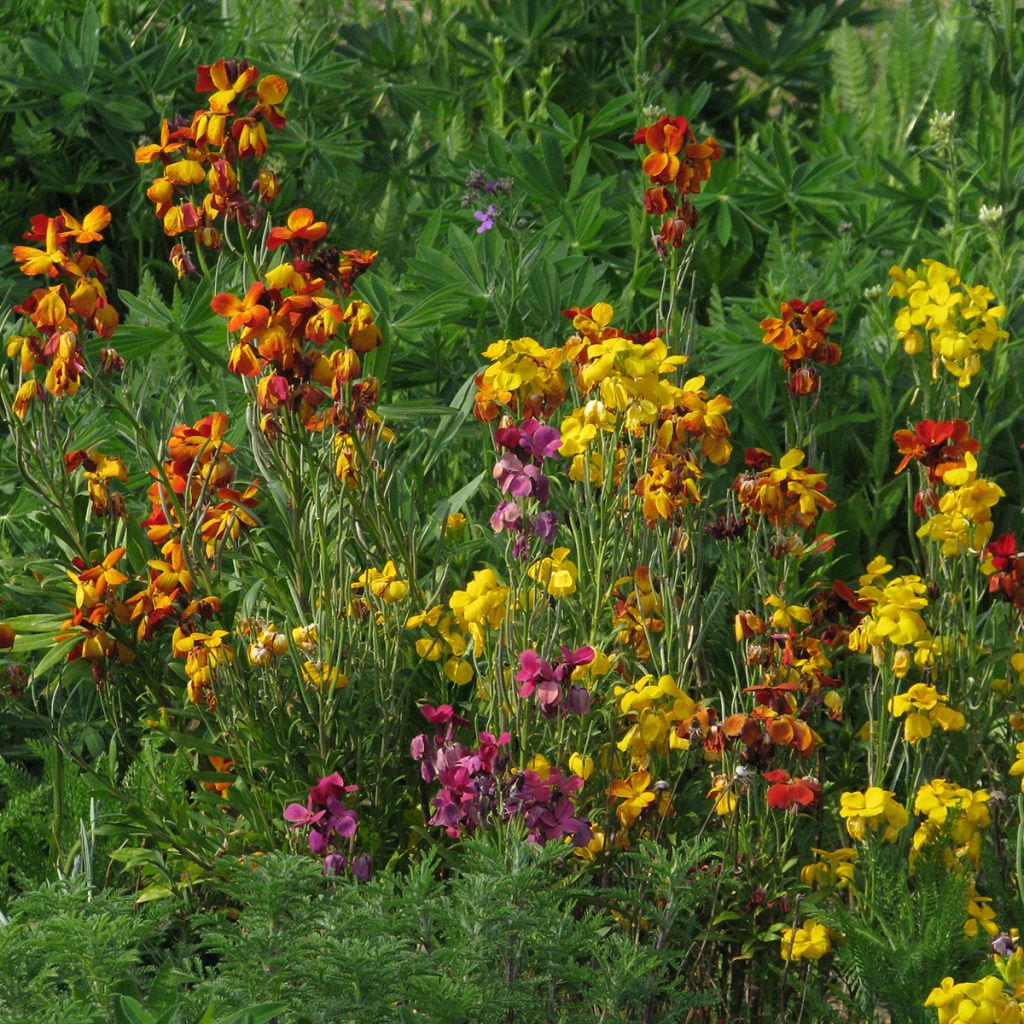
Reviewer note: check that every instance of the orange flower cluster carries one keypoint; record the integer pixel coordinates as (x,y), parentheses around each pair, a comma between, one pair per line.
(801,335)
(937,444)
(674,463)
(675,158)
(207,148)
(284,321)
(194,486)
(98,470)
(96,608)
(61,313)
(785,494)
(793,665)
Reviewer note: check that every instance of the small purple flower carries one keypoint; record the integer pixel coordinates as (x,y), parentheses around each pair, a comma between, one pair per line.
(507,516)
(521,548)
(299,815)
(545,526)
(362,867)
(334,864)
(543,439)
(486,218)
(579,700)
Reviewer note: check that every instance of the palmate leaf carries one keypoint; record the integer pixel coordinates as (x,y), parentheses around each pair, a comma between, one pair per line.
(187,326)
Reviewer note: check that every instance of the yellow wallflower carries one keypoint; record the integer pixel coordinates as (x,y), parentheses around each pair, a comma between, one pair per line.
(872,809)
(811,941)
(925,708)
(481,604)
(833,869)
(556,573)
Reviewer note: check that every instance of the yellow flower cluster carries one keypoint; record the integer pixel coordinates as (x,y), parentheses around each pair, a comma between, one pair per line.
(637,794)
(523,376)
(958,319)
(975,1002)
(954,813)
(202,652)
(872,809)
(383,584)
(832,870)
(894,619)
(652,709)
(627,375)
(480,605)
(925,708)
(448,639)
(556,573)
(267,645)
(964,517)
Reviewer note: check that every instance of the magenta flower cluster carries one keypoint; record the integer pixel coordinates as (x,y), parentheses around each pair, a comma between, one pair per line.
(332,825)
(518,474)
(551,684)
(478,786)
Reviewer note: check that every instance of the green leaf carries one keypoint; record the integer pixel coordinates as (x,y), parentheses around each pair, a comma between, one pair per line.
(133,1012)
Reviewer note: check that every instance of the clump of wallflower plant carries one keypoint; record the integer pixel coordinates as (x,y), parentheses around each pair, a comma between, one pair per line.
(893,620)
(480,606)
(677,165)
(800,334)
(478,786)
(958,320)
(332,827)
(62,314)
(652,709)
(286,324)
(523,378)
(211,149)
(785,495)
(962,519)
(552,684)
(97,610)
(519,475)
(193,482)
(952,813)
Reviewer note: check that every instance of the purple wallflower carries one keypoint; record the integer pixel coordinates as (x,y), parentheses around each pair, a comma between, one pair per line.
(521,548)
(507,516)
(519,480)
(329,820)
(545,526)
